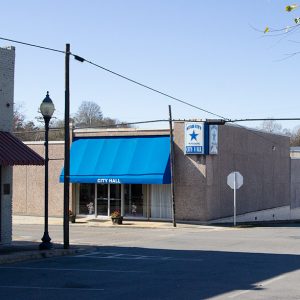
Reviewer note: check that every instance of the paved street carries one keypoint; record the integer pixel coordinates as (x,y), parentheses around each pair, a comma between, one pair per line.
(144,263)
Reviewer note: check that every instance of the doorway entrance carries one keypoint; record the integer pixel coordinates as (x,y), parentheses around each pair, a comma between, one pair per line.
(108,198)
(132,200)
(99,199)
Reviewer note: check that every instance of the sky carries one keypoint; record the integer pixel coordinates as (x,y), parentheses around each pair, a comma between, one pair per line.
(207,53)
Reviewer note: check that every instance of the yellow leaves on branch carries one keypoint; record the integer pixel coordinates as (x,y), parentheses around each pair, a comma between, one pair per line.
(288,8)
(291,7)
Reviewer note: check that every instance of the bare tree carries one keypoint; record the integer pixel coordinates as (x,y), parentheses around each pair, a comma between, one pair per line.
(271,126)
(18,118)
(295,137)
(24,130)
(89,114)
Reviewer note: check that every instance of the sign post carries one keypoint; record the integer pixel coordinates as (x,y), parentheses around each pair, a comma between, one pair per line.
(235,180)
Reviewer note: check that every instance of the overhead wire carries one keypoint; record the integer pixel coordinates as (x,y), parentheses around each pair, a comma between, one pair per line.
(81,59)
(99,126)
(31,45)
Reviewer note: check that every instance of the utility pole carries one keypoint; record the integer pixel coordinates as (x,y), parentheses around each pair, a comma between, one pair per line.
(172,166)
(67,149)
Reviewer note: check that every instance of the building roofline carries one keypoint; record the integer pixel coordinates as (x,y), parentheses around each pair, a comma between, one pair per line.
(119,132)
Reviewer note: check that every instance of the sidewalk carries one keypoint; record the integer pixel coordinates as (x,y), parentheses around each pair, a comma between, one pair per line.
(19,251)
(88,221)
(28,250)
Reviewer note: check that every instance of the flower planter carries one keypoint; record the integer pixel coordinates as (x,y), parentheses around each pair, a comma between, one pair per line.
(117,220)
(72,218)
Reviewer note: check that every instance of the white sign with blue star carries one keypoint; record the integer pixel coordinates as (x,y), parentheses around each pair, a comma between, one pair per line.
(194,138)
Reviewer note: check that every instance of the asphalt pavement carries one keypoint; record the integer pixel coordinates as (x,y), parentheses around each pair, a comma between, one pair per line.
(158,262)
(27,248)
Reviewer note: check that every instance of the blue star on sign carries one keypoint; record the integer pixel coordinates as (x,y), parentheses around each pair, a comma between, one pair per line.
(194,135)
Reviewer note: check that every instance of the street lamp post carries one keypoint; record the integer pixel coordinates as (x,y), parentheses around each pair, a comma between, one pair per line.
(47,110)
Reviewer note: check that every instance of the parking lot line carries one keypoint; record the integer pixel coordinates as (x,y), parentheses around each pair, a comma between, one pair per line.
(71,270)
(47,288)
(114,255)
(257,285)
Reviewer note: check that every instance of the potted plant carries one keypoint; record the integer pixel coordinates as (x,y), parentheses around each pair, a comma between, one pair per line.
(116,217)
(72,216)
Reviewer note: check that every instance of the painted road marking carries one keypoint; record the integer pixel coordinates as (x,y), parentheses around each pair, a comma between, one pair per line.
(257,286)
(47,288)
(114,255)
(72,270)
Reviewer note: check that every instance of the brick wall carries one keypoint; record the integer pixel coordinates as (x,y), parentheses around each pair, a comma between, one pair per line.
(7,65)
(201,190)
(6,208)
(28,186)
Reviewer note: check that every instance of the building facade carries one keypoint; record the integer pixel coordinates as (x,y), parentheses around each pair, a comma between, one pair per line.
(12,151)
(129,170)
(7,67)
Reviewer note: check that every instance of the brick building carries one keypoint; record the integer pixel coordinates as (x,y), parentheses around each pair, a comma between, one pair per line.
(128,169)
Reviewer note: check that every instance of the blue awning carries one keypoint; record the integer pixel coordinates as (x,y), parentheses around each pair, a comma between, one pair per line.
(132,160)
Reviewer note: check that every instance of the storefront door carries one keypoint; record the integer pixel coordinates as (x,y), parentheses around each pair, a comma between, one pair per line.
(102,199)
(99,199)
(115,197)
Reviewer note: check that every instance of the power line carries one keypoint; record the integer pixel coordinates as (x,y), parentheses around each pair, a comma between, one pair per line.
(31,45)
(96,126)
(257,133)
(264,119)
(81,59)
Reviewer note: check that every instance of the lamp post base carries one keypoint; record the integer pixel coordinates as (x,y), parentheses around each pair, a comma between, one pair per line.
(46,242)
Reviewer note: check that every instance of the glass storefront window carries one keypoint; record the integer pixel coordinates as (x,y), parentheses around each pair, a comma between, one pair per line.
(134,200)
(86,199)
(135,205)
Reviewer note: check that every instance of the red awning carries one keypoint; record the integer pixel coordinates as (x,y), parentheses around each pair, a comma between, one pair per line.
(14,152)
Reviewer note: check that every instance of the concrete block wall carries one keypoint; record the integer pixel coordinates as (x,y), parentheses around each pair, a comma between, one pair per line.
(201,190)
(28,183)
(295,183)
(190,180)
(264,161)
(6,207)
(7,65)
(273,214)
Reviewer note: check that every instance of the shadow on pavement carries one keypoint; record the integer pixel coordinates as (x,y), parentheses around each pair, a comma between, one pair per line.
(177,274)
(144,273)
